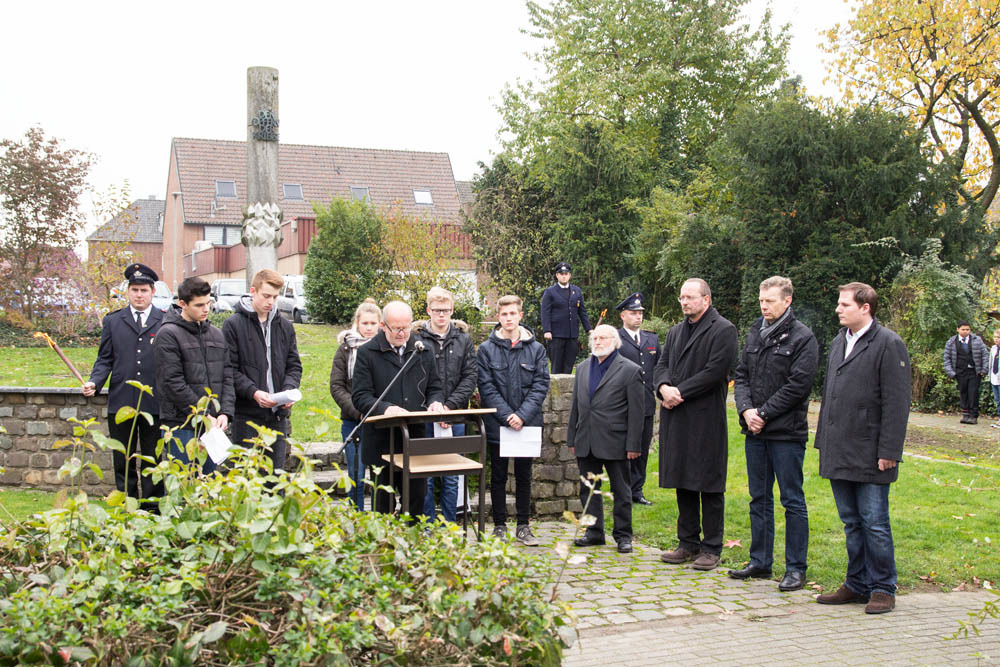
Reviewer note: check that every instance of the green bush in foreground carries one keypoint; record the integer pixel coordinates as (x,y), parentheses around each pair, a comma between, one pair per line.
(233,572)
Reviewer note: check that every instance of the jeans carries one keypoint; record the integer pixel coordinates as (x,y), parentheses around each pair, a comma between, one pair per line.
(768,460)
(871,560)
(996,398)
(355,468)
(176,449)
(242,431)
(449,489)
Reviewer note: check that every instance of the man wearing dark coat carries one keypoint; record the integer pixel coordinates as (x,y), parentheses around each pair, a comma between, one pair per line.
(605,427)
(773,379)
(643,349)
(862,425)
(418,389)
(692,379)
(562,313)
(126,353)
(264,358)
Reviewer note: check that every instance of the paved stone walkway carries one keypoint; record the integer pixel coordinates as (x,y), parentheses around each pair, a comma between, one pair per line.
(634,610)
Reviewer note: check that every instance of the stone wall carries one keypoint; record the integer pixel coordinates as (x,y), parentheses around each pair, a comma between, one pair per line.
(555,476)
(35,418)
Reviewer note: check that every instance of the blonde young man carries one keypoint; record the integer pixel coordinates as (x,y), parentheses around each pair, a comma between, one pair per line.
(514,379)
(264,359)
(455,357)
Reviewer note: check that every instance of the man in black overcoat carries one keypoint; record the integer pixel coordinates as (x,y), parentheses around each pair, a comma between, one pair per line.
(643,349)
(605,428)
(126,353)
(860,434)
(692,379)
(418,389)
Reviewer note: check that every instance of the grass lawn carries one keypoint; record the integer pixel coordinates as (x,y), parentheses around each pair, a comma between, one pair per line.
(944,520)
(944,515)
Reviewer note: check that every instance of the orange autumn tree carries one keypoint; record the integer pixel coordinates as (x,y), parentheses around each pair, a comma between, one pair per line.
(936,60)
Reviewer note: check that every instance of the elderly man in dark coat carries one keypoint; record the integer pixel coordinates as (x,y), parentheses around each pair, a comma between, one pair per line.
(692,379)
(418,389)
(605,432)
(862,425)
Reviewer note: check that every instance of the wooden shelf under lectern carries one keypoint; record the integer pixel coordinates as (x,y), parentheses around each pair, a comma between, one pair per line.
(432,457)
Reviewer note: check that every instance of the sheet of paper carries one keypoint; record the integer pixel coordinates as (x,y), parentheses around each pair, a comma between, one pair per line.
(462,500)
(442,432)
(217,444)
(524,443)
(288,396)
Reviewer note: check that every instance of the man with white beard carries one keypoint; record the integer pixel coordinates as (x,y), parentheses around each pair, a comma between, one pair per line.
(605,432)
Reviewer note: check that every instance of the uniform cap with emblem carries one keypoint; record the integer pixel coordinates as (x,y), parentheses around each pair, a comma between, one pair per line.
(140,274)
(631,302)
(562,267)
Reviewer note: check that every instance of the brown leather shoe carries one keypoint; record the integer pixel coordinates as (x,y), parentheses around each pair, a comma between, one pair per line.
(706,561)
(842,595)
(678,555)
(880,603)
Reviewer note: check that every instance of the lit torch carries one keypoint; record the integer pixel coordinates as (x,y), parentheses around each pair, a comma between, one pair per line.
(601,318)
(62,355)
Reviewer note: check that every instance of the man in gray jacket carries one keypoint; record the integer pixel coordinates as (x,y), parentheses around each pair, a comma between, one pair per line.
(862,425)
(965,359)
(605,432)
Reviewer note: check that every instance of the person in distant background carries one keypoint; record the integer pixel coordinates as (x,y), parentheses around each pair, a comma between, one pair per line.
(562,313)
(995,374)
(965,361)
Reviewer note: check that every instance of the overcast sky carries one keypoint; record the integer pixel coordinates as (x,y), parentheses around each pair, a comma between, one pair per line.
(119,79)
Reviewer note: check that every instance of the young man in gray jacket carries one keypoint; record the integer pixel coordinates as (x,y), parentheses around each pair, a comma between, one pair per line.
(965,361)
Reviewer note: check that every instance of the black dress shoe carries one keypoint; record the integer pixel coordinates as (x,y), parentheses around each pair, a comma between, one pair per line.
(792,581)
(642,500)
(625,547)
(750,572)
(588,541)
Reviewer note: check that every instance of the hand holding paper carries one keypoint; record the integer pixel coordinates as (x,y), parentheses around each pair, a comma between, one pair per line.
(287,397)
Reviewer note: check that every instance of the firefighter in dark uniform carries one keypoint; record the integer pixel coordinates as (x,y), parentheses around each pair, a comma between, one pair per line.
(126,353)
(562,313)
(642,348)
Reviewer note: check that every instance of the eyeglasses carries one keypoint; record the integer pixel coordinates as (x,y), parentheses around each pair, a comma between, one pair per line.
(685,299)
(400,330)
(440,311)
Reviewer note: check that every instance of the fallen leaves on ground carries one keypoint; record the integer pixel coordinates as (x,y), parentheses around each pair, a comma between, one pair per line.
(730,544)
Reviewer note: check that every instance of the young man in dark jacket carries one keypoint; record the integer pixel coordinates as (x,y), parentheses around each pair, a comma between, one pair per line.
(377,363)
(264,360)
(455,356)
(965,361)
(774,376)
(190,357)
(514,379)
(860,434)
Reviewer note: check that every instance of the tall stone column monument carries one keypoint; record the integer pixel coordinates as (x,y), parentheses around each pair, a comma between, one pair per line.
(262,218)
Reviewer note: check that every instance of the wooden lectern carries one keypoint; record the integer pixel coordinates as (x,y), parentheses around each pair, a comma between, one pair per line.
(432,457)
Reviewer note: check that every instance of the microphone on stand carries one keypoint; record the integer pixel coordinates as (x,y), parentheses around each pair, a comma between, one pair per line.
(419,346)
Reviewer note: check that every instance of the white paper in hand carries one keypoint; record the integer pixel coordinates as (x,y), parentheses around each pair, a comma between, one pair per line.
(286,397)
(440,432)
(217,444)
(524,443)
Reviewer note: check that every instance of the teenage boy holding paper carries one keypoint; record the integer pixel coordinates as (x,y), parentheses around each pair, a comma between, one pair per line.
(514,379)
(264,359)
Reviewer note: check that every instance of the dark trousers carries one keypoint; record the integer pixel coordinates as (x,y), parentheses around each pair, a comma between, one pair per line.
(243,431)
(498,486)
(700,513)
(968,391)
(145,435)
(637,467)
(618,474)
(562,354)
(767,461)
(385,502)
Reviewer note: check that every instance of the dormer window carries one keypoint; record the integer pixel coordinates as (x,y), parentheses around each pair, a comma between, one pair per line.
(292,191)
(423,196)
(360,193)
(225,189)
